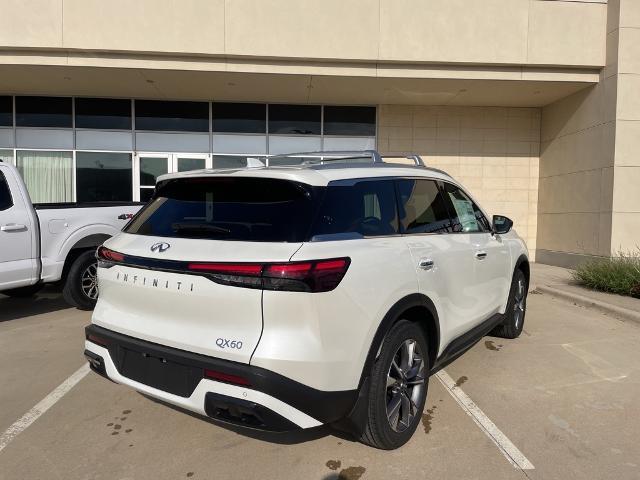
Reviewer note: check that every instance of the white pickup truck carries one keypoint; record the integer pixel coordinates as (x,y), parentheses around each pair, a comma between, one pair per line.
(49,243)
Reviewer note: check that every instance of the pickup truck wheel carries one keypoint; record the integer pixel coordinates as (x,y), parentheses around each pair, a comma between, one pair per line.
(399,382)
(516,308)
(23,291)
(81,285)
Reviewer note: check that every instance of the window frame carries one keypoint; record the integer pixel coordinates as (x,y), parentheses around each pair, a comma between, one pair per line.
(4,181)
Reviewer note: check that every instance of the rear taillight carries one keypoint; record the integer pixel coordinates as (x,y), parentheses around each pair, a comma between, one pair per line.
(97,340)
(308,276)
(106,257)
(316,276)
(236,274)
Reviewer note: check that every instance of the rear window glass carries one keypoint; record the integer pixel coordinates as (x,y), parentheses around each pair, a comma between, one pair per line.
(240,209)
(354,210)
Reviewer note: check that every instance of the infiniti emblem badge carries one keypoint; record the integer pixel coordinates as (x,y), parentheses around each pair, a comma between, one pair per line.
(160,247)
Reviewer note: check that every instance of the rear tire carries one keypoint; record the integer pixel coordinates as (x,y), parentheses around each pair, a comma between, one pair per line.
(22,292)
(398,391)
(81,285)
(516,308)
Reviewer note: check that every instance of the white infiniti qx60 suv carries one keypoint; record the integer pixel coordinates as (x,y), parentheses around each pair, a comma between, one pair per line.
(320,288)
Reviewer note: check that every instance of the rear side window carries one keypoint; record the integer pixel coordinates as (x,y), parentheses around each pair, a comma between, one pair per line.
(422,207)
(5,195)
(228,208)
(351,210)
(466,215)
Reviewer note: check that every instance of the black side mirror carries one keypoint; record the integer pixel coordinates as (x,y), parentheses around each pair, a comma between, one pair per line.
(501,224)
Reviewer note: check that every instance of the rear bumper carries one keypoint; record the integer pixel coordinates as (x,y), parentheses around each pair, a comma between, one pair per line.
(268,401)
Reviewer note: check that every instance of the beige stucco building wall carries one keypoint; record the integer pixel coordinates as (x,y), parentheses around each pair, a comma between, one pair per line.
(625,221)
(494,152)
(589,199)
(471,31)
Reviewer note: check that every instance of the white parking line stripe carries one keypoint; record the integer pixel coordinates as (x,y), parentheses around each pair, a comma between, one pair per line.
(45,404)
(508,449)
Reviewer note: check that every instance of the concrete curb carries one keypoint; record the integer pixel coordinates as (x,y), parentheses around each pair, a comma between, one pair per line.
(620,312)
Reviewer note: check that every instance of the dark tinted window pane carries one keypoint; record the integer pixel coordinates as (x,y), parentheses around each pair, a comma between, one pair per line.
(422,207)
(466,215)
(185,164)
(151,168)
(239,117)
(172,116)
(103,177)
(146,194)
(5,194)
(245,209)
(353,121)
(6,112)
(367,208)
(229,161)
(294,119)
(103,113)
(43,112)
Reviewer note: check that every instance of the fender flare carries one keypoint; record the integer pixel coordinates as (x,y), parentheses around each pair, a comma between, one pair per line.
(392,315)
(356,420)
(522,259)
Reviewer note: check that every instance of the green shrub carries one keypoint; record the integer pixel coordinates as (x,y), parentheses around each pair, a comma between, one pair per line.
(619,274)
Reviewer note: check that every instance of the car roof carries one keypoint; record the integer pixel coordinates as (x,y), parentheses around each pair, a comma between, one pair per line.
(318,175)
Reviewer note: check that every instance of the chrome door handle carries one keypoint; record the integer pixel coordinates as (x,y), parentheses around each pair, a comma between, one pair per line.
(426,264)
(481,255)
(12,228)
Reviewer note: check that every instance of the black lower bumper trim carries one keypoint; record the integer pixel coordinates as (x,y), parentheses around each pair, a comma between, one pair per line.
(244,413)
(324,406)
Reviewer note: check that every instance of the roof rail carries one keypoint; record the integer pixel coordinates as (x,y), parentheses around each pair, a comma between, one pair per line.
(358,156)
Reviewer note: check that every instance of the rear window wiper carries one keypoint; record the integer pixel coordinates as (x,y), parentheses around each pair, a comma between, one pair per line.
(199,227)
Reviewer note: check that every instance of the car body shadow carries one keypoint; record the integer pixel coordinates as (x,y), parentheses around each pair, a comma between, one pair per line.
(283,438)
(48,300)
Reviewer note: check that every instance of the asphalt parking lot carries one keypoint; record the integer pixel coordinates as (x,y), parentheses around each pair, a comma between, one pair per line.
(565,395)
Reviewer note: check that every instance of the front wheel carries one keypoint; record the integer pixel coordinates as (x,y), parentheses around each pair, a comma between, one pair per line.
(516,308)
(398,391)
(81,285)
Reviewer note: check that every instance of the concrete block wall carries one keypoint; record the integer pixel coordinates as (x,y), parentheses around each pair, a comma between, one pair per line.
(493,152)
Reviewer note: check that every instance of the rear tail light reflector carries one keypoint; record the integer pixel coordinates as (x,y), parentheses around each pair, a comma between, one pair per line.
(225,377)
